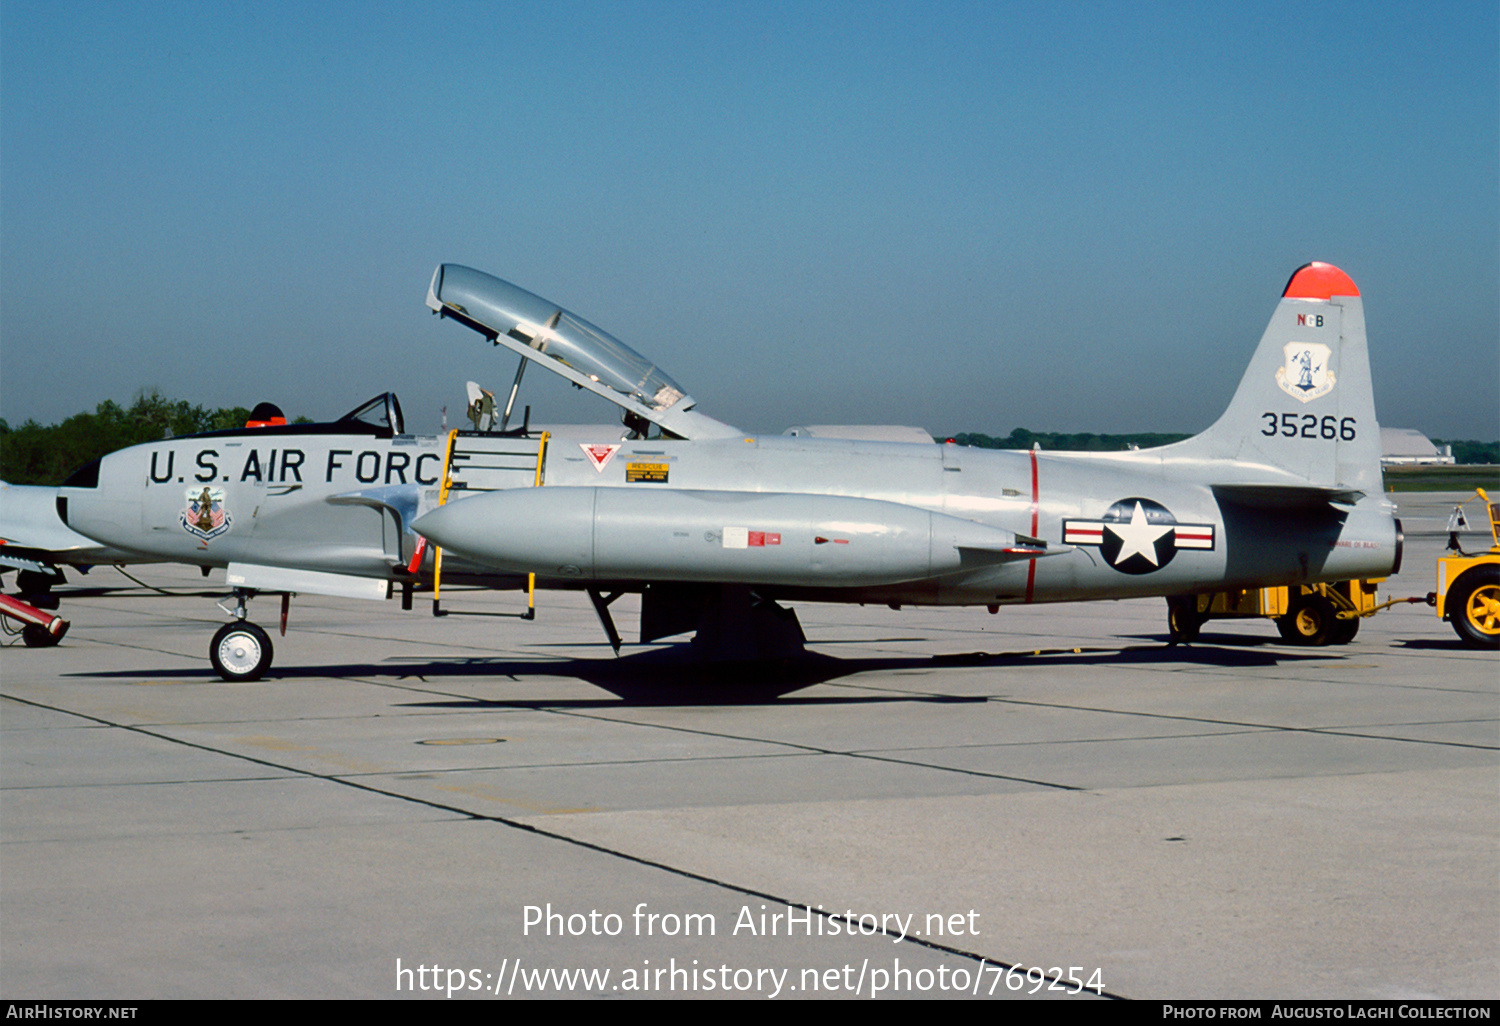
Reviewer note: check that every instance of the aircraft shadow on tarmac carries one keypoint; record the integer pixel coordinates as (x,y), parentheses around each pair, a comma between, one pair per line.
(670,676)
(1452,645)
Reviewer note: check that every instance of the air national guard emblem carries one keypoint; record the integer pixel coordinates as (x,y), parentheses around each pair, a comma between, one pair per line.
(1138,536)
(1304,374)
(205,515)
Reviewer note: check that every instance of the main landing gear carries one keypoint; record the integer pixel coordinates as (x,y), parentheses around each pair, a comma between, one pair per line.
(1183,619)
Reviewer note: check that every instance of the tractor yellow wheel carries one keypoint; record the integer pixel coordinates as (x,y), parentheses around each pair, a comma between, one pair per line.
(1309,621)
(1474,606)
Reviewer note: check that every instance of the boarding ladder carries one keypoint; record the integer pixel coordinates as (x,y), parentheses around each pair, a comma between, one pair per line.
(477,461)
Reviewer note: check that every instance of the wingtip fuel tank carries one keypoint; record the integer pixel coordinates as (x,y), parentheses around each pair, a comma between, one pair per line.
(794,540)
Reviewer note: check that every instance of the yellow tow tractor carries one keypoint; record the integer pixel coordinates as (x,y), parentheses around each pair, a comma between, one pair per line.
(1468,584)
(1468,596)
(1306,614)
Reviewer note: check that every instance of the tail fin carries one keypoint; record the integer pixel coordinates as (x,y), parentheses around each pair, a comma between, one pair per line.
(1304,413)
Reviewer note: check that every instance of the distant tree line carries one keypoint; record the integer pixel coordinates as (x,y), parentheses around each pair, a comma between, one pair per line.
(34,454)
(1471,451)
(37,454)
(1021,438)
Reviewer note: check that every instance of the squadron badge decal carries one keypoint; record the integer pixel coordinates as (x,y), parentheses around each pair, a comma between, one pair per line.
(1304,374)
(1138,536)
(206,516)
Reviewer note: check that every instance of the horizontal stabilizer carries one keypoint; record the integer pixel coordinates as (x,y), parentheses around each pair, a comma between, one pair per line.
(1286,496)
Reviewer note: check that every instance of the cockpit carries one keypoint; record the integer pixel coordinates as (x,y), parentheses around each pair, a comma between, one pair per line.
(541,332)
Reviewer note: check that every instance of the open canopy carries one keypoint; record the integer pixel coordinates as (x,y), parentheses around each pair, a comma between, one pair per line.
(541,331)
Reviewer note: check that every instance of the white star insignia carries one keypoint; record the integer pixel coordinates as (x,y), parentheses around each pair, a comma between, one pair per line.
(1138,537)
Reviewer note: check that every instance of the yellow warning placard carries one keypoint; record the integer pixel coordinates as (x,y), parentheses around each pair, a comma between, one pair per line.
(649,473)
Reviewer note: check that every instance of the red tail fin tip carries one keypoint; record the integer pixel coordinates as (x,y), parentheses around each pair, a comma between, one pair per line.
(1319,281)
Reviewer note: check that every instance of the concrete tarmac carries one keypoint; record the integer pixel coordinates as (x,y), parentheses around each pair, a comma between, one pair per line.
(399,805)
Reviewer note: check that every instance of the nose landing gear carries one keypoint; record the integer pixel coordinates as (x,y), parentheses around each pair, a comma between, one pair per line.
(240,650)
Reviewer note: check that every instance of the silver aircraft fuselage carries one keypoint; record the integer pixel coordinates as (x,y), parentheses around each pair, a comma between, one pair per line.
(346,505)
(1284,488)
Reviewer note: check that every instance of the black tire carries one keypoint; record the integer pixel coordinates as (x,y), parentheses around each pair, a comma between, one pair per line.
(34,582)
(37,636)
(240,651)
(1473,606)
(1343,631)
(1183,619)
(1309,620)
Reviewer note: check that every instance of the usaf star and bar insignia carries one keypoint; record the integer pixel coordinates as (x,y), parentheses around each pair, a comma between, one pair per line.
(1138,536)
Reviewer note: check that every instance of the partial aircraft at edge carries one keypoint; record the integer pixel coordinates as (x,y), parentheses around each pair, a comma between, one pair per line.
(716,529)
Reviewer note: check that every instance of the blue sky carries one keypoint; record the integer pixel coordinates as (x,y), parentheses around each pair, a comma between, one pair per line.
(968,217)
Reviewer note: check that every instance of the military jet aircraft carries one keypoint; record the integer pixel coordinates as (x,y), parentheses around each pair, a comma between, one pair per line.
(718,529)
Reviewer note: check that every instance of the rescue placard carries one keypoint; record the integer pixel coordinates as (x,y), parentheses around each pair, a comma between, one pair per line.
(647,473)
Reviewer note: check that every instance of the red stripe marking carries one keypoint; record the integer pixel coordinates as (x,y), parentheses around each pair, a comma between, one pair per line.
(1031,566)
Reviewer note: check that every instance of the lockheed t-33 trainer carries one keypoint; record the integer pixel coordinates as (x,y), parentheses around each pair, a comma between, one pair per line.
(718,529)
